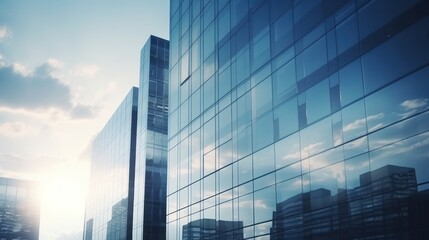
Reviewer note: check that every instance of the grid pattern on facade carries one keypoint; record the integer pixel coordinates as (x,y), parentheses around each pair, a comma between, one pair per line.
(151,157)
(109,205)
(298,119)
(19,209)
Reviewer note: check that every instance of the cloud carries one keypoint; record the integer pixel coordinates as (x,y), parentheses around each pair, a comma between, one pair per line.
(39,89)
(80,111)
(359,123)
(16,129)
(414,103)
(4,32)
(22,88)
(54,63)
(21,69)
(87,71)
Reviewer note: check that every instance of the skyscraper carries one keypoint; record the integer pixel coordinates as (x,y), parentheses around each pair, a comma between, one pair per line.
(300,105)
(151,156)
(19,209)
(109,206)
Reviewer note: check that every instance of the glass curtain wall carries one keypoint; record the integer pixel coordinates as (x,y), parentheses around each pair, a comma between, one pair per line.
(295,119)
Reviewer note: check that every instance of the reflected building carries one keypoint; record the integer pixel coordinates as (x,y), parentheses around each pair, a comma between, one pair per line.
(151,155)
(19,209)
(212,229)
(109,206)
(305,106)
(380,206)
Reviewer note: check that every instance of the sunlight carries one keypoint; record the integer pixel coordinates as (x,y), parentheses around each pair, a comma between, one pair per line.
(64,190)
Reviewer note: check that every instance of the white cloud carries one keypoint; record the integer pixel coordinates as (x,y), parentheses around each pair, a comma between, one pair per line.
(55,63)
(87,71)
(414,103)
(4,32)
(21,69)
(15,129)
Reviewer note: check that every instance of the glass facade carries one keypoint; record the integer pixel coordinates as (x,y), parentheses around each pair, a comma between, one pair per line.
(298,119)
(109,206)
(19,209)
(151,157)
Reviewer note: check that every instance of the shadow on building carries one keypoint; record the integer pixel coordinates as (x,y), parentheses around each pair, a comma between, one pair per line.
(386,205)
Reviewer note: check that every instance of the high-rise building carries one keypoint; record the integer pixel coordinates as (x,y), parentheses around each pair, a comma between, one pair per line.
(299,119)
(109,206)
(19,209)
(151,157)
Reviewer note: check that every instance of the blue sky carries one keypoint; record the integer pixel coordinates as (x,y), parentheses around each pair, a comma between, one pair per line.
(64,68)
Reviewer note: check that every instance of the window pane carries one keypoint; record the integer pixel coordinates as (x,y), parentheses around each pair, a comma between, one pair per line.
(354,121)
(318,101)
(287,151)
(284,82)
(263,161)
(263,134)
(261,98)
(351,87)
(285,119)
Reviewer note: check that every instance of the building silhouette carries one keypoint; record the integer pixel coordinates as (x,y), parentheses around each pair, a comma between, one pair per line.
(19,209)
(315,111)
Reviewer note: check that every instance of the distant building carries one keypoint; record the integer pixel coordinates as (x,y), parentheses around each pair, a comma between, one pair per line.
(151,156)
(109,207)
(19,209)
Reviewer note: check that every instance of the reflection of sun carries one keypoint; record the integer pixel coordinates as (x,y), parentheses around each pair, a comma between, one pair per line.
(63,197)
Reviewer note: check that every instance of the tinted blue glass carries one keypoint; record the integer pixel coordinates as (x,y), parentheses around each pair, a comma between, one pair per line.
(318,102)
(209,93)
(351,87)
(316,138)
(281,33)
(288,189)
(354,121)
(263,131)
(265,204)
(287,151)
(209,40)
(399,100)
(285,119)
(312,59)
(245,172)
(261,98)
(284,82)
(225,125)
(347,34)
(263,161)
(396,57)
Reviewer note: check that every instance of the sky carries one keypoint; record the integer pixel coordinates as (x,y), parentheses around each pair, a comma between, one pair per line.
(65,66)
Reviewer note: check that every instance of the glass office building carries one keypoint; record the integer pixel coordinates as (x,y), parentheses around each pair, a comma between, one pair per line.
(151,156)
(298,119)
(109,206)
(19,209)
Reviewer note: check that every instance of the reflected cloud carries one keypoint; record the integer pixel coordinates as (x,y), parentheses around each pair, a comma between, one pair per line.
(414,103)
(312,148)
